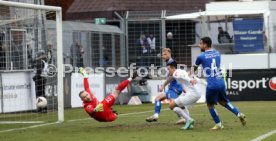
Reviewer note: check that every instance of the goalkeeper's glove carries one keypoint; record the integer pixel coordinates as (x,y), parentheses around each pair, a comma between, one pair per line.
(99,108)
(83,72)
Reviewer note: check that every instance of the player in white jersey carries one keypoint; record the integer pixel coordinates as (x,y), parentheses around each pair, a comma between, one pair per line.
(192,95)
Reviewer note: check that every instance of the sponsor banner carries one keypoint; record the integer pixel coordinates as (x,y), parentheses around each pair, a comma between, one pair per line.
(251,85)
(18,92)
(96,83)
(248,35)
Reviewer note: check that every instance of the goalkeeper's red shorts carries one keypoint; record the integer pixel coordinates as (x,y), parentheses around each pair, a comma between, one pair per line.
(108,101)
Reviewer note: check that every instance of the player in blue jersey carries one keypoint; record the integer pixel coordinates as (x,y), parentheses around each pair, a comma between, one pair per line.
(174,90)
(216,90)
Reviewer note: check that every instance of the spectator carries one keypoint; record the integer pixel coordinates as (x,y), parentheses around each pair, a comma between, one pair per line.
(170,44)
(30,50)
(29,56)
(151,41)
(77,54)
(169,41)
(17,46)
(143,44)
(2,52)
(103,62)
(50,53)
(223,36)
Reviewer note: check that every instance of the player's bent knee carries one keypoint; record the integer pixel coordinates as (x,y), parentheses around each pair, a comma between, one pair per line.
(172,105)
(160,97)
(157,99)
(210,105)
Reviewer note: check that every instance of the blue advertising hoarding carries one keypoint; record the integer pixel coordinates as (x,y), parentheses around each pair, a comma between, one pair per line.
(248,35)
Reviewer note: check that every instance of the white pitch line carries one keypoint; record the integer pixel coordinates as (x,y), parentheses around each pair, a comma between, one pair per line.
(264,136)
(134,113)
(47,124)
(73,120)
(137,113)
(126,114)
(23,122)
(34,126)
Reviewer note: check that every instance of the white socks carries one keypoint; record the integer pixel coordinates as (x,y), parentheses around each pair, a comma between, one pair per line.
(186,111)
(156,115)
(181,112)
(219,124)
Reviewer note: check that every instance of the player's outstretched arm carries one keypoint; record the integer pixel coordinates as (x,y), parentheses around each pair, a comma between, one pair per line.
(85,80)
(168,80)
(197,63)
(193,69)
(198,80)
(83,72)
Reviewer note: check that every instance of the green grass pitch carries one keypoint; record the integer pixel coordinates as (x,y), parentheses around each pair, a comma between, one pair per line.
(131,125)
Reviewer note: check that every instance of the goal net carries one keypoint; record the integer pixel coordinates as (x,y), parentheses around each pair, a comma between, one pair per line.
(30,65)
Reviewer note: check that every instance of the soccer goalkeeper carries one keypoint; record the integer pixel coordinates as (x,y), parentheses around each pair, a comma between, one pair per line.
(101,111)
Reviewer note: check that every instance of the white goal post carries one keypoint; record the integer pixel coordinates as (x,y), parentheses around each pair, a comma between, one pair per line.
(59,58)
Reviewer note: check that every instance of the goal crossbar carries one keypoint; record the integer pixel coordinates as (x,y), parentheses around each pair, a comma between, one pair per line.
(31,6)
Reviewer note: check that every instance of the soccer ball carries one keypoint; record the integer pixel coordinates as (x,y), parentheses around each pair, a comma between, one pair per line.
(41,102)
(169,35)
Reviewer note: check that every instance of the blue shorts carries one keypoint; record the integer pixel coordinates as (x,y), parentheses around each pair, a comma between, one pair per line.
(213,96)
(171,94)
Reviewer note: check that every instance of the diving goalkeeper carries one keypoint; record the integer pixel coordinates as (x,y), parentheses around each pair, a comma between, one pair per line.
(101,111)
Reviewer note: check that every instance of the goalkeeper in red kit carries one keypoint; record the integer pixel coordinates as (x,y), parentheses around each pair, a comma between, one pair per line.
(101,111)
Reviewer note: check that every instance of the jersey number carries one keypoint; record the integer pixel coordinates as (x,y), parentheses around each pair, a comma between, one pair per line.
(214,67)
(108,99)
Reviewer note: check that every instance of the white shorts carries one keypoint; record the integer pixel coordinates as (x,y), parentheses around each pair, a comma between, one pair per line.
(186,100)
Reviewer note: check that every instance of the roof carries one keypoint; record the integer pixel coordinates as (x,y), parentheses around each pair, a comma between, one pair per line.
(65,4)
(79,6)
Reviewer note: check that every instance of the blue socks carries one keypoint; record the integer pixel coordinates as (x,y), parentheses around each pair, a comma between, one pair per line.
(214,114)
(231,108)
(158,106)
